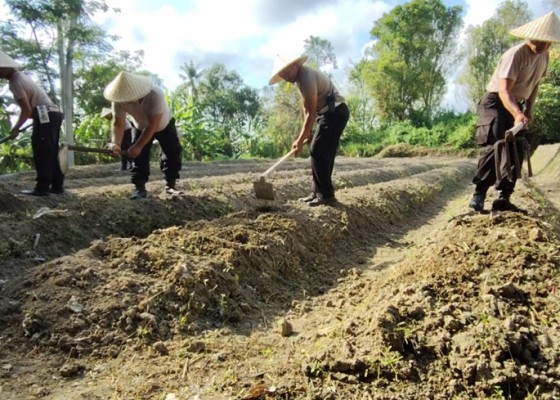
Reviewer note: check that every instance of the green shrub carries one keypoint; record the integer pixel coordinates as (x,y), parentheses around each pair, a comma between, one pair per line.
(361,149)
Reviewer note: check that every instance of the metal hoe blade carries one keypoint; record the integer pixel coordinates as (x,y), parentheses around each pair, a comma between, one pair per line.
(63,158)
(263,189)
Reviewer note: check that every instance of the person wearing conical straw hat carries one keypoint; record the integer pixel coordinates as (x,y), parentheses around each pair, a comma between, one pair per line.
(509,100)
(35,104)
(138,97)
(126,162)
(322,103)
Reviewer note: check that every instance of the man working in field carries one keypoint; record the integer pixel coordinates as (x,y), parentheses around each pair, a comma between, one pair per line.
(47,121)
(510,100)
(321,102)
(151,118)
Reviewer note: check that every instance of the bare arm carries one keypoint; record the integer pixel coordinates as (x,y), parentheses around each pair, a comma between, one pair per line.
(309,116)
(531,102)
(24,115)
(117,132)
(509,102)
(146,135)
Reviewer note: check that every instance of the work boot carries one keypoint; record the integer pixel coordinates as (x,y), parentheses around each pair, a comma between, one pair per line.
(139,193)
(307,199)
(170,187)
(35,192)
(477,201)
(503,203)
(57,190)
(320,201)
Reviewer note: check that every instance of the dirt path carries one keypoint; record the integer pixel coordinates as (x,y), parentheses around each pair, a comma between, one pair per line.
(397,293)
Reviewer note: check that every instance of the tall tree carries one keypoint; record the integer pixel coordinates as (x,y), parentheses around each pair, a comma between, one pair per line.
(414,49)
(360,101)
(191,75)
(320,52)
(61,30)
(228,101)
(487,42)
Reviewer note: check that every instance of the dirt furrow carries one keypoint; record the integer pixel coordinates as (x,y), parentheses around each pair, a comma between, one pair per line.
(227,272)
(399,292)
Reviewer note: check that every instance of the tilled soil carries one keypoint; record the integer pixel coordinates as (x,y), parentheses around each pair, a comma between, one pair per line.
(398,292)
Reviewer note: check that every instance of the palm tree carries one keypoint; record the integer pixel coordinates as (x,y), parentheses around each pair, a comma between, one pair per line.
(191,76)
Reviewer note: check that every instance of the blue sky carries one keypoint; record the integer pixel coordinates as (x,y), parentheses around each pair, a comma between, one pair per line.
(245,35)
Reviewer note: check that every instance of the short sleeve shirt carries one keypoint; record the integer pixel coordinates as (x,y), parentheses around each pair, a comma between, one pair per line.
(23,86)
(523,67)
(153,103)
(316,83)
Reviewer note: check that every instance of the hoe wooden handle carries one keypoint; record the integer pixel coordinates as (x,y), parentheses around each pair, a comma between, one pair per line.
(278,163)
(515,130)
(91,149)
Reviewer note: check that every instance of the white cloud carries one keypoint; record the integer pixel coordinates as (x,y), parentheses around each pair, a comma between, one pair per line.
(242,34)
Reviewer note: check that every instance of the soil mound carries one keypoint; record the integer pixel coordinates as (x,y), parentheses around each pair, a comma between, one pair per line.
(395,293)
(472,315)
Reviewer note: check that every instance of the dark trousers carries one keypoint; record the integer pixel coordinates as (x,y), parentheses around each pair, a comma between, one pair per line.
(44,142)
(323,149)
(170,157)
(125,144)
(493,121)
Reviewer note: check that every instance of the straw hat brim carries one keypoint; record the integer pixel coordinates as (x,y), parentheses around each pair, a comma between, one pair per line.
(127,87)
(278,70)
(8,62)
(543,29)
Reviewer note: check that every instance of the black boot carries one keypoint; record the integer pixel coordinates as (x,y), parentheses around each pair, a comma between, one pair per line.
(57,189)
(170,187)
(477,201)
(503,203)
(36,192)
(307,199)
(321,201)
(139,193)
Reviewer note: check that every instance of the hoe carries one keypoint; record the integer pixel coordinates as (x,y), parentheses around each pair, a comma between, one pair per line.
(23,129)
(502,146)
(63,154)
(263,189)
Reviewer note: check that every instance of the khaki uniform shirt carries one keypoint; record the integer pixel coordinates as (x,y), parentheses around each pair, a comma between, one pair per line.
(23,86)
(153,103)
(522,66)
(312,82)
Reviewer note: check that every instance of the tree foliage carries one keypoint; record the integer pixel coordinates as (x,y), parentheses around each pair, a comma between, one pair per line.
(320,52)
(414,50)
(487,42)
(191,75)
(221,96)
(546,116)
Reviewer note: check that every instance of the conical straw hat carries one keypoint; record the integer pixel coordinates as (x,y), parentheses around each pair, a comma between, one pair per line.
(127,87)
(544,29)
(7,62)
(281,63)
(106,112)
